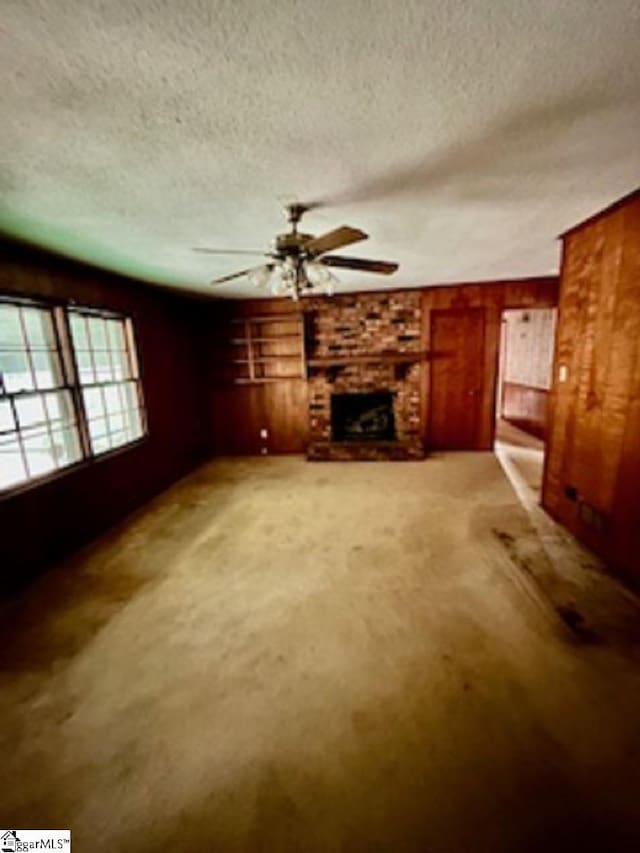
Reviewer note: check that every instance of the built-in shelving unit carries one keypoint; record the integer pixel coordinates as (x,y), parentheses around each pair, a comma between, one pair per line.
(266,348)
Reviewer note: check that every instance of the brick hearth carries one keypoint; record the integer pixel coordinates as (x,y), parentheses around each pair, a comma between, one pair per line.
(378,330)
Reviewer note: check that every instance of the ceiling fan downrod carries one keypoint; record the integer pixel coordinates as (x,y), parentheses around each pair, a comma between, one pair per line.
(295,211)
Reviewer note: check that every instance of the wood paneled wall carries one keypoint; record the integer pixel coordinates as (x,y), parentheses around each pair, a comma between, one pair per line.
(238,413)
(592,476)
(492,298)
(525,407)
(46,520)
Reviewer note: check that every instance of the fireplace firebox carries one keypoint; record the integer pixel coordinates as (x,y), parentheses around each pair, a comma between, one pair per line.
(363,417)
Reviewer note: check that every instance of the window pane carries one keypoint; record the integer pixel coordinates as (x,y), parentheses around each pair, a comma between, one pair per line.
(136,421)
(39,452)
(116,422)
(15,370)
(120,438)
(66,445)
(120,363)
(10,329)
(115,334)
(6,416)
(134,425)
(100,444)
(39,327)
(78,330)
(98,427)
(112,398)
(97,333)
(47,369)
(59,406)
(103,365)
(30,410)
(12,470)
(85,367)
(130,395)
(93,403)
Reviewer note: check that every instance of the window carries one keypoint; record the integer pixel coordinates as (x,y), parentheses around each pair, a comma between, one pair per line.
(38,429)
(63,398)
(108,375)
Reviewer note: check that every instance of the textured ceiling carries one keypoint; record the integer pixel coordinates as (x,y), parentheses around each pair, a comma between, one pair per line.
(462,135)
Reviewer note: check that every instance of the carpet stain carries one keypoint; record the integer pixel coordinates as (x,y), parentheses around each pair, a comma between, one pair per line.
(255,663)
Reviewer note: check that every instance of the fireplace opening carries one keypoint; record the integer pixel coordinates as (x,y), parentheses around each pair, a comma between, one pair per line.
(363,417)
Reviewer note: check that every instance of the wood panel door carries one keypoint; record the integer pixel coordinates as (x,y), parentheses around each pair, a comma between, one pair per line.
(457,377)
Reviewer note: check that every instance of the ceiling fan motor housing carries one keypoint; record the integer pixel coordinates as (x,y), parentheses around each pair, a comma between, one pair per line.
(291,244)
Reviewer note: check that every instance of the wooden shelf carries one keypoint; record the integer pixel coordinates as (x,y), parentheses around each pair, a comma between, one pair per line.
(269,318)
(268,359)
(265,380)
(272,340)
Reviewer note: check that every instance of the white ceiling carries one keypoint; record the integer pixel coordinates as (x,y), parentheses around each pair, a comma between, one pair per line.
(462,135)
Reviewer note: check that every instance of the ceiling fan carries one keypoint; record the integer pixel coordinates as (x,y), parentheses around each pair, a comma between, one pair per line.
(299,264)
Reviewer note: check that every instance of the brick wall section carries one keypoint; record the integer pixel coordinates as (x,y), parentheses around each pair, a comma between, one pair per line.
(368,324)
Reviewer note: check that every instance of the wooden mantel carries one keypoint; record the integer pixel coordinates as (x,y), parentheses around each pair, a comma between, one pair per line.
(367,358)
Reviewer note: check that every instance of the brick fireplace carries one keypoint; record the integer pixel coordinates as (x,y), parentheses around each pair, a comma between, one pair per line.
(365,347)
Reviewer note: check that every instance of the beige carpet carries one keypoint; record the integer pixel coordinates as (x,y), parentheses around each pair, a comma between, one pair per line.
(284,656)
(526,454)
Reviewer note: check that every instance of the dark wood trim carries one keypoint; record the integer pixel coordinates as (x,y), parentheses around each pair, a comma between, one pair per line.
(527,387)
(268,318)
(553,391)
(374,358)
(505,283)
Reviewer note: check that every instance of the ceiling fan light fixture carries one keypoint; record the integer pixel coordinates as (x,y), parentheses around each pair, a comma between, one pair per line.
(330,283)
(259,278)
(318,275)
(285,280)
(294,277)
(277,286)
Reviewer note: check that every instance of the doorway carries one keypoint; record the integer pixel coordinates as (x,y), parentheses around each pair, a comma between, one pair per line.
(522,396)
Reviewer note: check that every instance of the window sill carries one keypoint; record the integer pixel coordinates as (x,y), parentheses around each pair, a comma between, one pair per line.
(60,473)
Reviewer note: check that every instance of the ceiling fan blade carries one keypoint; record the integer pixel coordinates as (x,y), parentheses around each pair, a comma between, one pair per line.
(382,267)
(207,251)
(343,236)
(233,275)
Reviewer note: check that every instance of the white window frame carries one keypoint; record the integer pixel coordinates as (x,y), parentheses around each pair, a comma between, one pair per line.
(132,376)
(70,383)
